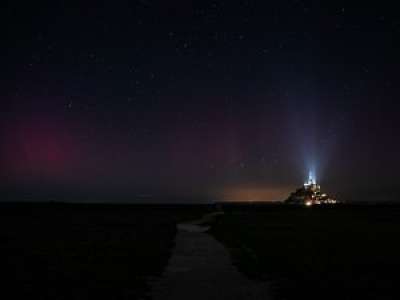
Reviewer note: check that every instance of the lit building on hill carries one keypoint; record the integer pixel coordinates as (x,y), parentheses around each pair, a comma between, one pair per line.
(310,194)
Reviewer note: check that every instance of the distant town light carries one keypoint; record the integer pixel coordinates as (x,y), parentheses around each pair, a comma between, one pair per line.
(310,194)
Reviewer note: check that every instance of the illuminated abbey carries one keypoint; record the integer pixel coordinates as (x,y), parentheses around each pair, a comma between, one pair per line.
(310,194)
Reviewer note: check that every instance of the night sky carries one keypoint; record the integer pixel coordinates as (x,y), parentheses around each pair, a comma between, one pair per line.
(208,100)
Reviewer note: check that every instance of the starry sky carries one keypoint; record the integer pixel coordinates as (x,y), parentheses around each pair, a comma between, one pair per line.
(198,100)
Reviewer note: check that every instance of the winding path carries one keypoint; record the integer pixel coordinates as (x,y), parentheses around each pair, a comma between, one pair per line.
(200,268)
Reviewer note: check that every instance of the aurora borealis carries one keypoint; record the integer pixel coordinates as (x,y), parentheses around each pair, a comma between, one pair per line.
(199,100)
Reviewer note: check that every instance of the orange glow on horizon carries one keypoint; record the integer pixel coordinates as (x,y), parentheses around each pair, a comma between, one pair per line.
(254,194)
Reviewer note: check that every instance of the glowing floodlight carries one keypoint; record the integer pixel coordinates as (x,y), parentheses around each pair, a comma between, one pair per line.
(310,194)
(311,179)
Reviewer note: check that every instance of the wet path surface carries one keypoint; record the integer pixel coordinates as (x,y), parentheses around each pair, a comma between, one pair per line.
(200,268)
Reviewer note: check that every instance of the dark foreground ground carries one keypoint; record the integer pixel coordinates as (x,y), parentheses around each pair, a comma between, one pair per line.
(59,251)
(317,253)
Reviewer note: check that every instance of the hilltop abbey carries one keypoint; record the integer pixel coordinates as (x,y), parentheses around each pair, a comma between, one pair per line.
(310,194)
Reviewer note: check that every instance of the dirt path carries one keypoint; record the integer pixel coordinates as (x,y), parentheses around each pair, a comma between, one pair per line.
(200,268)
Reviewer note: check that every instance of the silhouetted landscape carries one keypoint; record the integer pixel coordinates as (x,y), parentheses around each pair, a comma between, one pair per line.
(74,251)
(345,252)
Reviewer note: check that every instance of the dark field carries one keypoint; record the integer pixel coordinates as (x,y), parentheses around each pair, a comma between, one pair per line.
(58,251)
(317,253)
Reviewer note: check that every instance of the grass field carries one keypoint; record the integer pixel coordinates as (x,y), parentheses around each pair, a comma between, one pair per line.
(316,253)
(59,251)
